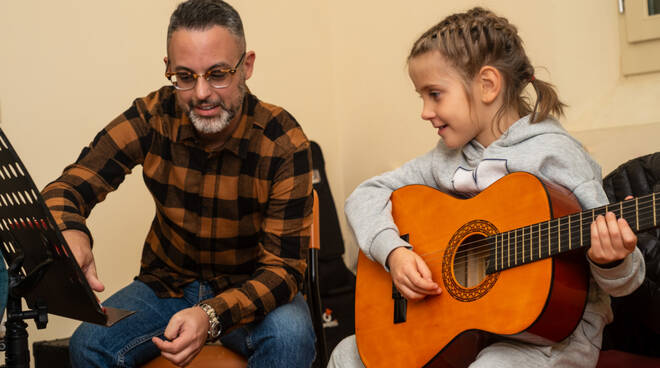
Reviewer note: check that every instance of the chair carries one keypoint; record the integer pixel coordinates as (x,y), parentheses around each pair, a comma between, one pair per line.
(218,356)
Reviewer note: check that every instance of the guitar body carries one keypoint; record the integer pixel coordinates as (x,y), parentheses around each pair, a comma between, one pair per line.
(541,301)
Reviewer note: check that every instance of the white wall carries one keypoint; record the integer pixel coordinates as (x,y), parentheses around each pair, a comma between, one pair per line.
(68,67)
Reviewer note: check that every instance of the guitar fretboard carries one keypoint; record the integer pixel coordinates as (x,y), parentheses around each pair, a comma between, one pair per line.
(564,234)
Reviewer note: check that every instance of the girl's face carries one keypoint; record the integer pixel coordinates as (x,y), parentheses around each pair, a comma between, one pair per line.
(446,104)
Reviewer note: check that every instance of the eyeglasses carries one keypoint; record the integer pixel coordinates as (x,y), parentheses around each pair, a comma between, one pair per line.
(217,77)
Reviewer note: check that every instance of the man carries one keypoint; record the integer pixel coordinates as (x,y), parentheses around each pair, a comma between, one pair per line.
(231,180)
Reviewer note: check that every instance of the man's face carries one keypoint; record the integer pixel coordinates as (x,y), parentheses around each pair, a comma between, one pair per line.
(197,51)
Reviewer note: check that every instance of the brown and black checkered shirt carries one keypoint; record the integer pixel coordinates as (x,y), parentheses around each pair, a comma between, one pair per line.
(238,218)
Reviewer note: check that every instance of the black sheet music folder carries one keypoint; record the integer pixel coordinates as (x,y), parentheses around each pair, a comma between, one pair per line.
(30,239)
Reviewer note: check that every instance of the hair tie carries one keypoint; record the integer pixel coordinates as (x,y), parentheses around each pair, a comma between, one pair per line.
(532,79)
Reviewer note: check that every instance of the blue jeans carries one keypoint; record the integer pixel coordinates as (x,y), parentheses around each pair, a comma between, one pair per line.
(285,338)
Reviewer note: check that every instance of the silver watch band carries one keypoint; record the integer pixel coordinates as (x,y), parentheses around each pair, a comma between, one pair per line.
(215,327)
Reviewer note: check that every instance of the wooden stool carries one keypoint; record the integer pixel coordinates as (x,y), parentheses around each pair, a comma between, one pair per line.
(211,356)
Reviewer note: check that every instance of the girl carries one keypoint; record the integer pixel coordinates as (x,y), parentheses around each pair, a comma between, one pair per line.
(470,71)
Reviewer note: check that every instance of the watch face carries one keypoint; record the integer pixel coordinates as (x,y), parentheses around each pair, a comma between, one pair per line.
(214,330)
(215,333)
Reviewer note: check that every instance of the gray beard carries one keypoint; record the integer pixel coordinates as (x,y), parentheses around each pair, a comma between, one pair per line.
(218,123)
(211,125)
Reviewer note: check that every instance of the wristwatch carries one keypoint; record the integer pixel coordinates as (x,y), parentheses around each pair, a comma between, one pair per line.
(215,328)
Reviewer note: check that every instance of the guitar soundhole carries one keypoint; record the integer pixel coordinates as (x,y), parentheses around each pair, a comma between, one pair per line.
(470,262)
(465,261)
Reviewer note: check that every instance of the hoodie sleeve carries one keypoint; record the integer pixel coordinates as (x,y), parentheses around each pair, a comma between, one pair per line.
(622,279)
(369,210)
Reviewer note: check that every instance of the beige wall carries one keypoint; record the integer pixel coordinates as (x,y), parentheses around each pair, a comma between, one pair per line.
(68,67)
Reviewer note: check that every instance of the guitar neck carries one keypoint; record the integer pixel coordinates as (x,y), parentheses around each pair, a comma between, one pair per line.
(564,234)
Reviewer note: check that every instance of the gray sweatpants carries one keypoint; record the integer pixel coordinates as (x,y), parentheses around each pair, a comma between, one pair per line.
(581,349)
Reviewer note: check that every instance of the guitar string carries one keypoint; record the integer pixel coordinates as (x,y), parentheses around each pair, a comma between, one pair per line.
(559,224)
(510,256)
(482,247)
(488,240)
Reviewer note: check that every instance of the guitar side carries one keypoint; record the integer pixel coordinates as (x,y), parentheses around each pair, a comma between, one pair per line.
(545,298)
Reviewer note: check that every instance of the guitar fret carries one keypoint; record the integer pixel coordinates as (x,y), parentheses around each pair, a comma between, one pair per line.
(495,256)
(570,237)
(523,245)
(531,242)
(504,243)
(532,236)
(502,253)
(540,240)
(581,242)
(636,212)
(549,242)
(559,235)
(508,249)
(496,250)
(515,247)
(654,211)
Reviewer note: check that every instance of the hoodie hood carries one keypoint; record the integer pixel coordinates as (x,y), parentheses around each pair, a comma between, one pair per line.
(523,130)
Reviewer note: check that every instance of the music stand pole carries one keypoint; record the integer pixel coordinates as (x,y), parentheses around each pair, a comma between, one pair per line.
(17,354)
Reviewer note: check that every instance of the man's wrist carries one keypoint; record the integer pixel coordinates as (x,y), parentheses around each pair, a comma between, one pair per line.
(215,327)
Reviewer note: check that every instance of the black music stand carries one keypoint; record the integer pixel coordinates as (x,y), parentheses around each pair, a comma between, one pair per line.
(41,266)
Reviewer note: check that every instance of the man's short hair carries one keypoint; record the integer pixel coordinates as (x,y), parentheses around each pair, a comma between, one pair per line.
(204,14)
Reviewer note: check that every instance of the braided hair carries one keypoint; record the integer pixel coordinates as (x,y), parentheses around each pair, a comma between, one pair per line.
(468,41)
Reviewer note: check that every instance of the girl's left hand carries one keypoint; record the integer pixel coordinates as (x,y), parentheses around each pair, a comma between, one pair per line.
(612,239)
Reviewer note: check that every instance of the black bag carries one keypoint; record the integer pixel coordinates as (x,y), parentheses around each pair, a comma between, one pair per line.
(337,282)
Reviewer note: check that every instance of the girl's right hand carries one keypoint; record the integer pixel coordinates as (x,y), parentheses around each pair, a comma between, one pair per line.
(411,276)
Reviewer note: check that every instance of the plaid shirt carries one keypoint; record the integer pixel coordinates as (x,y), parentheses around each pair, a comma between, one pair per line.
(238,218)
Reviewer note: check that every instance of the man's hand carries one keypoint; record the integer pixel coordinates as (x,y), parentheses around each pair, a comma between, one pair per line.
(411,276)
(186,332)
(612,239)
(81,248)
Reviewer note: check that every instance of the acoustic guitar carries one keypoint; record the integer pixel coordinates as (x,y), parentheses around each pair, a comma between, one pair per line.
(510,262)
